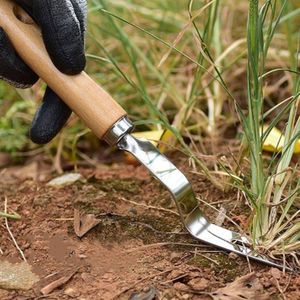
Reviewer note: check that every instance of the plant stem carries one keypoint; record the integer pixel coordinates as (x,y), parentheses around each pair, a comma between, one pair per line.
(9,216)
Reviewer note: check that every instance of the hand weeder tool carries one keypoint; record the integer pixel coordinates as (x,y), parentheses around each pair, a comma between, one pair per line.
(109,122)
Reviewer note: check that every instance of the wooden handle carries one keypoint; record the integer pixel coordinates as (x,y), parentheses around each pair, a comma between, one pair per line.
(87,99)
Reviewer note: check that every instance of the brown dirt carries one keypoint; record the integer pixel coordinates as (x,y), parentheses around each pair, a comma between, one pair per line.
(133,249)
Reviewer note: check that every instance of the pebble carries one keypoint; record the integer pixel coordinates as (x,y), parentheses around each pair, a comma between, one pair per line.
(146,289)
(176,273)
(71,292)
(180,286)
(199,284)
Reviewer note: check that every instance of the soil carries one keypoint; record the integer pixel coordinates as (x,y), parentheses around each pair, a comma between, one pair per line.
(139,246)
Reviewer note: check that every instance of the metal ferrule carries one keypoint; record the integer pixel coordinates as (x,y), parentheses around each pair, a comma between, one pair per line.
(118,130)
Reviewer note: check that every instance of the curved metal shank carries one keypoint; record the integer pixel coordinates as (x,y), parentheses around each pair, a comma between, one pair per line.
(184,197)
(163,170)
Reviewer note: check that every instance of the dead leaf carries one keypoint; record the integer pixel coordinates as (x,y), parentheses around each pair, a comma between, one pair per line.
(84,223)
(246,287)
(56,284)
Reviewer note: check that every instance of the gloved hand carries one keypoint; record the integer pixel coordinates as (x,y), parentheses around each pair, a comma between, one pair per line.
(63,24)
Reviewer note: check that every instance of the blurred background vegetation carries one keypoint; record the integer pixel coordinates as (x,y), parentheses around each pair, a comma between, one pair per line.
(161,61)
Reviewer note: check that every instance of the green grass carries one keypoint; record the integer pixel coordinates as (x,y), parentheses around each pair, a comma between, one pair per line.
(272,190)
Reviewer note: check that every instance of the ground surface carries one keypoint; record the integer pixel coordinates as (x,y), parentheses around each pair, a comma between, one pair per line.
(136,248)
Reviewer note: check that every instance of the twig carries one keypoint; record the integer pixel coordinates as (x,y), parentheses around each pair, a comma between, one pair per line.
(9,216)
(174,279)
(215,209)
(279,289)
(150,206)
(57,160)
(10,233)
(57,283)
(287,285)
(159,231)
(196,253)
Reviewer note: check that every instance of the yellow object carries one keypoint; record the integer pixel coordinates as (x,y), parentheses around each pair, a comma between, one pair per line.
(275,141)
(155,137)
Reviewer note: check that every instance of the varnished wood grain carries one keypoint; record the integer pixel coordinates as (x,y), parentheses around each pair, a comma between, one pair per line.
(85,97)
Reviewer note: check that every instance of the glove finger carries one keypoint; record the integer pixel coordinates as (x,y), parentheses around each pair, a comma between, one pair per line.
(61,25)
(80,8)
(49,119)
(12,68)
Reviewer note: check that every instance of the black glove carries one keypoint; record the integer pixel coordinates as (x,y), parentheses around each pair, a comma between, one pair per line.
(63,24)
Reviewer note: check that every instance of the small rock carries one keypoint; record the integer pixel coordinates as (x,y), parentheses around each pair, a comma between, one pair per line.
(276,273)
(175,274)
(193,274)
(16,276)
(198,284)
(146,289)
(66,179)
(185,296)
(180,286)
(71,292)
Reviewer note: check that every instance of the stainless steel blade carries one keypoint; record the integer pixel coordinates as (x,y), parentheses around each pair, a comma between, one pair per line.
(181,190)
